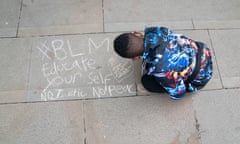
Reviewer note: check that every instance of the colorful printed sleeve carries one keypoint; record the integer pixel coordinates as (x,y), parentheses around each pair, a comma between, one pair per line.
(172,83)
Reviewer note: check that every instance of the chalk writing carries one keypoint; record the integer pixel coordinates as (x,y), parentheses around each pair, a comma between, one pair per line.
(56,68)
(59,49)
(109,90)
(57,94)
(65,66)
(59,80)
(120,70)
(91,45)
(98,78)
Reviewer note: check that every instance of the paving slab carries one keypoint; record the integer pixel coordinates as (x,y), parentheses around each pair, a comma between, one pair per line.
(14,62)
(55,122)
(134,15)
(9,14)
(13,96)
(216,14)
(215,10)
(217,24)
(60,17)
(78,67)
(141,120)
(218,116)
(198,35)
(226,46)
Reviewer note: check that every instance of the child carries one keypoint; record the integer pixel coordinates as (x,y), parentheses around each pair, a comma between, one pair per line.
(174,63)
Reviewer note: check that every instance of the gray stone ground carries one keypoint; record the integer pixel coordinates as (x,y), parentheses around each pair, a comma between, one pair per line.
(61,82)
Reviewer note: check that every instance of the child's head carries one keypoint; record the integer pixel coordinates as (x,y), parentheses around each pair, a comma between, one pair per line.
(129,45)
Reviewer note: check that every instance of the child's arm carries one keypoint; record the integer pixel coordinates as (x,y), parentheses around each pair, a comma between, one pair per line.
(172,83)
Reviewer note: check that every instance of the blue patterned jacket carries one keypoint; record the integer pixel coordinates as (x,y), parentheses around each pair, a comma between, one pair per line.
(172,58)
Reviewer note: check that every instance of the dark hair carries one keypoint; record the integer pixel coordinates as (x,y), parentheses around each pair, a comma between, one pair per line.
(121,45)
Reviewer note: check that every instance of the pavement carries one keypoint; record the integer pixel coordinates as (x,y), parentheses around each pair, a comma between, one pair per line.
(61,82)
